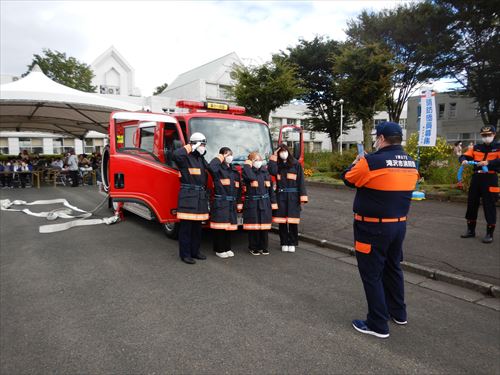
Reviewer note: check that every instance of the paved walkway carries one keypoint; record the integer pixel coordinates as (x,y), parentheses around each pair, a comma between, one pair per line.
(433,235)
(117,300)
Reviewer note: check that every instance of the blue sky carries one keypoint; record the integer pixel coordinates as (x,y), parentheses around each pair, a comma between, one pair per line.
(162,39)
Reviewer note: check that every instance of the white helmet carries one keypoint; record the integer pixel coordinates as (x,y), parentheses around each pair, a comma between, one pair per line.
(197,137)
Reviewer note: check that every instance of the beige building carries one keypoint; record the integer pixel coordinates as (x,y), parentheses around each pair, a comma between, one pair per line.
(458,117)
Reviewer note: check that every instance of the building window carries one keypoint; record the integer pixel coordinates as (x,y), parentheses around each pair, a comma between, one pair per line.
(4,146)
(291,121)
(452,111)
(93,145)
(32,145)
(225,92)
(452,137)
(441,111)
(112,90)
(316,146)
(62,145)
(419,111)
(277,121)
(402,122)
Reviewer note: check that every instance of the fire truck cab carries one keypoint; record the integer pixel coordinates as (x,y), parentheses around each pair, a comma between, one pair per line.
(138,170)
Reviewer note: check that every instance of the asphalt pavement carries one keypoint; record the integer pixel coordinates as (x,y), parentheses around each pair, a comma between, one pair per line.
(117,300)
(432,238)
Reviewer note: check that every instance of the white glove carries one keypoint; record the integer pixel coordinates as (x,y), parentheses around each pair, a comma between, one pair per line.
(193,148)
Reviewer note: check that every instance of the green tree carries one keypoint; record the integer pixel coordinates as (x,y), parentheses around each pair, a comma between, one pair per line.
(261,89)
(416,38)
(160,89)
(473,59)
(65,70)
(313,62)
(365,81)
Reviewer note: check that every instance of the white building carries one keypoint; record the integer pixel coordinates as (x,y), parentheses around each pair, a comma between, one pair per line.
(113,74)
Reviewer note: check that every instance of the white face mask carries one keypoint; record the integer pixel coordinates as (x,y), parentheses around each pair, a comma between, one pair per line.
(284,155)
(489,139)
(376,144)
(201,150)
(257,164)
(229,159)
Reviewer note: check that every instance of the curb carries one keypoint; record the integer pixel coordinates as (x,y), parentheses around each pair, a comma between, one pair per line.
(431,273)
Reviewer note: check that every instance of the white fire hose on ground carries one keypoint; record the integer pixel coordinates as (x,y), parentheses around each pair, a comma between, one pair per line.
(71,212)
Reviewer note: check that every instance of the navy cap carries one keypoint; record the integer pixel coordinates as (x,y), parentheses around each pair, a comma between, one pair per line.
(388,129)
(488,129)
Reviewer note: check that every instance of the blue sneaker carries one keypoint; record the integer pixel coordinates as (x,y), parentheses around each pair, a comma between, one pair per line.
(360,326)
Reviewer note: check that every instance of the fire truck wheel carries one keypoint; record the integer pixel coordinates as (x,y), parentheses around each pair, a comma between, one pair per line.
(105,169)
(171,230)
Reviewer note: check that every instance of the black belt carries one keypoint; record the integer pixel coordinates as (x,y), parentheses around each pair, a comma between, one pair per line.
(257,197)
(288,190)
(192,187)
(224,197)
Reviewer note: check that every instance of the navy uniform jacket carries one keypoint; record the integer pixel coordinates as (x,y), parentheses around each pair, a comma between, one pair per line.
(385,181)
(260,198)
(193,198)
(481,152)
(291,190)
(223,213)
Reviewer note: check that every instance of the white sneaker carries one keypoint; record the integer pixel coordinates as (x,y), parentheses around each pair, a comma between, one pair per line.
(284,248)
(222,255)
(291,249)
(230,253)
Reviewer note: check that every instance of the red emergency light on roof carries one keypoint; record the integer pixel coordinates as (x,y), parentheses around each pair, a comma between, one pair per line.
(211,106)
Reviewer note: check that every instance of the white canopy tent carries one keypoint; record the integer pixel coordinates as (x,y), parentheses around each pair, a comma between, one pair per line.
(36,103)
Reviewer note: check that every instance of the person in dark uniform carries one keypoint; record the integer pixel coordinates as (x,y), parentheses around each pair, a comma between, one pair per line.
(193,199)
(223,213)
(384,181)
(484,183)
(291,193)
(260,200)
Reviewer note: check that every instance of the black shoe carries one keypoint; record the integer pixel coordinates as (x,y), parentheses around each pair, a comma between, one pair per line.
(199,256)
(471,230)
(255,252)
(188,260)
(488,238)
(264,252)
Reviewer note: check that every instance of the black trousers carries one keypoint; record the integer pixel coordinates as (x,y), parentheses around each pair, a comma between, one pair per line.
(289,234)
(222,240)
(6,179)
(480,188)
(74,178)
(258,239)
(189,238)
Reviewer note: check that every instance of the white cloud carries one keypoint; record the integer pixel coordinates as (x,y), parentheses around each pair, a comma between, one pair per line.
(163,39)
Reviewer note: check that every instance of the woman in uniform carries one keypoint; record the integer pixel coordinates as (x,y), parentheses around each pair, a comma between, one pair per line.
(223,215)
(192,206)
(260,200)
(291,193)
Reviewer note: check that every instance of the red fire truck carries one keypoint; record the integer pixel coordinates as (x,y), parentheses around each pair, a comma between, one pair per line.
(137,167)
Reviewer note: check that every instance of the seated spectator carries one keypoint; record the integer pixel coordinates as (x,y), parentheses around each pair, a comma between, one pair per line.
(23,168)
(23,155)
(57,164)
(6,175)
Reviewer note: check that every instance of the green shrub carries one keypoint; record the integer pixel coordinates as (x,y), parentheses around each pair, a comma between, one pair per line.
(319,161)
(443,172)
(338,163)
(441,152)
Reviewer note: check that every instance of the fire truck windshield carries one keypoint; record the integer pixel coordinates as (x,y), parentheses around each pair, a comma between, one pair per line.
(242,137)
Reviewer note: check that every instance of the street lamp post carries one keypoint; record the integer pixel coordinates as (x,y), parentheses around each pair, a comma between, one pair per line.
(341,102)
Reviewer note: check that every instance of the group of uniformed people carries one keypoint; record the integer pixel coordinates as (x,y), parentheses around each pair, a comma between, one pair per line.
(384,179)
(252,193)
